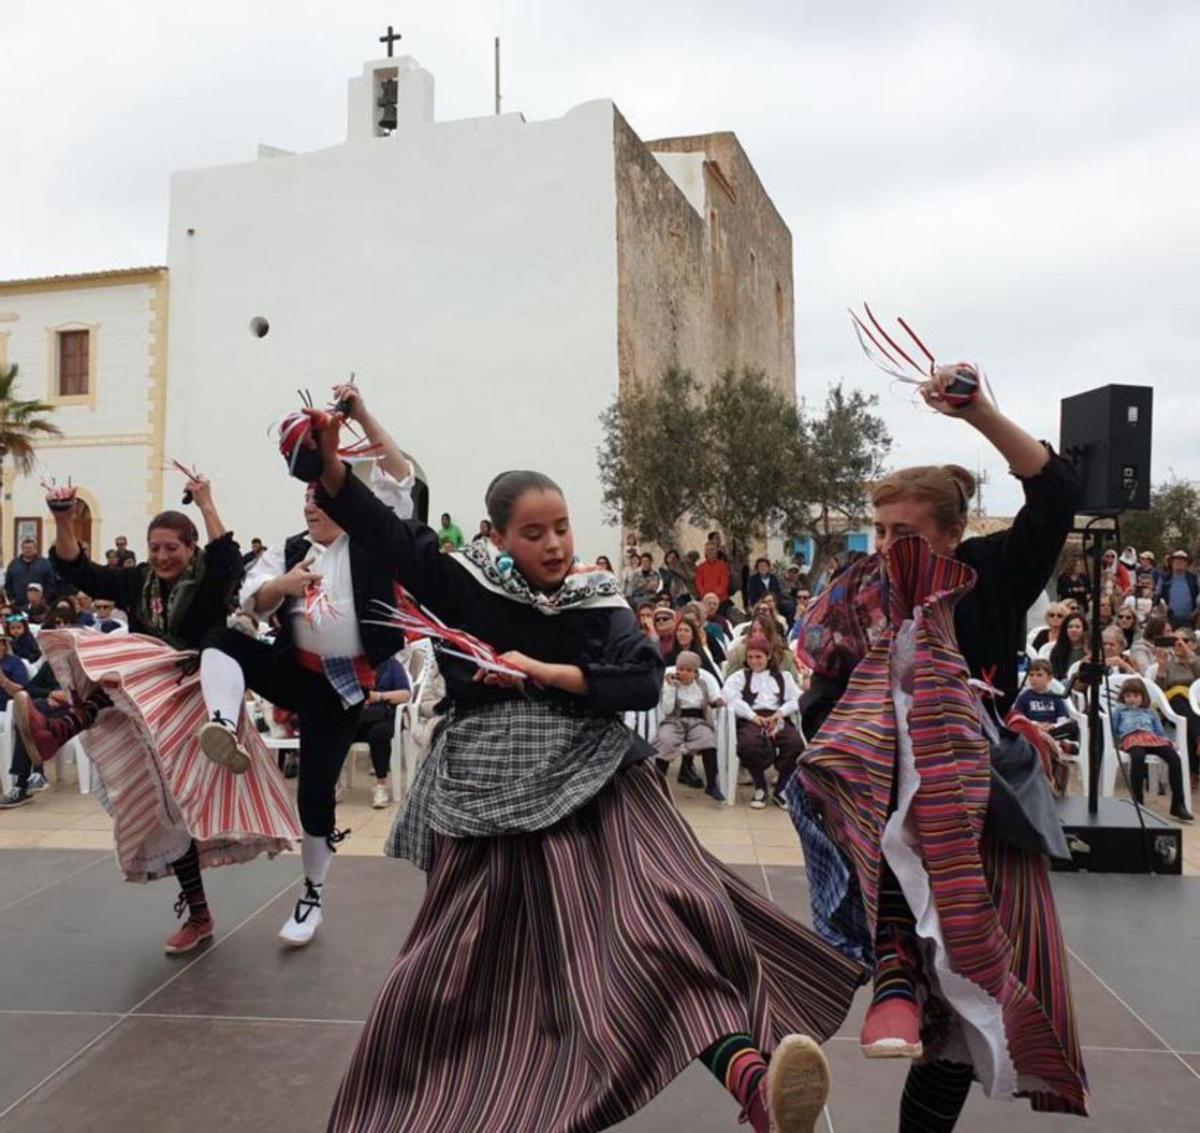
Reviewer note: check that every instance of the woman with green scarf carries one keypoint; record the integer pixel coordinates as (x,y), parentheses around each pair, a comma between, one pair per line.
(138,699)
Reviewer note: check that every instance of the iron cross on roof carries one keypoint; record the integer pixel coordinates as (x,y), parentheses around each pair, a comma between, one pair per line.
(390,39)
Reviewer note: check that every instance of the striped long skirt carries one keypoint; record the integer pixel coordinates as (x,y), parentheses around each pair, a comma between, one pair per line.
(557,981)
(160,789)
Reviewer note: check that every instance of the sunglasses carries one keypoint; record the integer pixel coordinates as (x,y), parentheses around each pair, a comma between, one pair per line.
(663,618)
(1059,617)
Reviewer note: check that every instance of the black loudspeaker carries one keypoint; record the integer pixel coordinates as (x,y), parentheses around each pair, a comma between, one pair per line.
(1106,434)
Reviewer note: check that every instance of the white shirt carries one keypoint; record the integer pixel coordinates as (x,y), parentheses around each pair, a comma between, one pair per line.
(766,694)
(675,695)
(333,630)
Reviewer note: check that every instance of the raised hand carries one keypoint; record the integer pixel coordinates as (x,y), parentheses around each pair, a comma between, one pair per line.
(61,499)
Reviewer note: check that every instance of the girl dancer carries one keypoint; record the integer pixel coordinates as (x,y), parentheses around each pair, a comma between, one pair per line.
(139,698)
(576,947)
(970,966)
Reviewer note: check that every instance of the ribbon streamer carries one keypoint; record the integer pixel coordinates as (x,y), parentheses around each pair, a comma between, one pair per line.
(420,624)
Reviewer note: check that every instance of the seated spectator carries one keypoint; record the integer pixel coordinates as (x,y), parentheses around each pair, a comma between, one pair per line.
(630,572)
(663,602)
(602,561)
(689,638)
(14,671)
(685,723)
(645,616)
(1074,583)
(1115,579)
(35,606)
(257,548)
(1105,612)
(763,582)
(24,644)
(43,687)
(105,622)
(1046,709)
(765,625)
(1112,641)
(1071,645)
(664,629)
(767,606)
(1139,733)
(646,583)
(762,699)
(1178,667)
(87,613)
(1147,570)
(66,612)
(484,535)
(1048,634)
(676,581)
(1141,601)
(1126,621)
(111,558)
(712,577)
(1179,590)
(377,724)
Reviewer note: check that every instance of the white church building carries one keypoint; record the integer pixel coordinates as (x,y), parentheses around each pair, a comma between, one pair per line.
(492,283)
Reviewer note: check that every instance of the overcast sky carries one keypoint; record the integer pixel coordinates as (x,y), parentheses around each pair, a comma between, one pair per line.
(1021,181)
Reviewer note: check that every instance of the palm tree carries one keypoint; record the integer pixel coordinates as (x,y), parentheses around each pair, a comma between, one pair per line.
(21,423)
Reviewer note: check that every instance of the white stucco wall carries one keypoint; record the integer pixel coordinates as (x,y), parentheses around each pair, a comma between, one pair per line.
(110,462)
(687,171)
(466,271)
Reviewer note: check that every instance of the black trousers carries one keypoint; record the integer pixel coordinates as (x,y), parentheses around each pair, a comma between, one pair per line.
(1138,771)
(376,726)
(327,729)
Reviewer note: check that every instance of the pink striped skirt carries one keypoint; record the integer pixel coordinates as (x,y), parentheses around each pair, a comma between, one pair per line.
(160,789)
(557,981)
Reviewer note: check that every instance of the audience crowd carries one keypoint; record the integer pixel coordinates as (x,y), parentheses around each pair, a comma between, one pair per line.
(726,628)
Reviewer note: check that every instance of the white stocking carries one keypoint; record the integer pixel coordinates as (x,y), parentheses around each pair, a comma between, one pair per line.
(316,854)
(223,685)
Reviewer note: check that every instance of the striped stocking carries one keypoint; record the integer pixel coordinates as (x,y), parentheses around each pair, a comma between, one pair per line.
(739,1066)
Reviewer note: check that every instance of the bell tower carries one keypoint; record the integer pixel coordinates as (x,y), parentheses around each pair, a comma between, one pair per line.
(391,95)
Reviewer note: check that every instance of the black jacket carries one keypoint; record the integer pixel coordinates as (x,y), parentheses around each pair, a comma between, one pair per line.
(124,585)
(371,580)
(623,668)
(1012,569)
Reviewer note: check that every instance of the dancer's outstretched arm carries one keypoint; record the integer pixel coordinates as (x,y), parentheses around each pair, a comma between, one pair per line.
(392,460)
(1026,455)
(200,490)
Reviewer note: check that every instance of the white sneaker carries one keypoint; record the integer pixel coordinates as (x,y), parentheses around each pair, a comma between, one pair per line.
(381,796)
(219,741)
(299,929)
(759,801)
(37,782)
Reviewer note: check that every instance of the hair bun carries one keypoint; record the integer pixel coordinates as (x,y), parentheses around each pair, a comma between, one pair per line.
(964,479)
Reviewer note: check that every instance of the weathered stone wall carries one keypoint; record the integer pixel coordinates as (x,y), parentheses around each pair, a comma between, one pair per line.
(704,291)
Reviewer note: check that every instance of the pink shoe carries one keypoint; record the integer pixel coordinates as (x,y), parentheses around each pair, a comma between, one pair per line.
(892,1029)
(193,933)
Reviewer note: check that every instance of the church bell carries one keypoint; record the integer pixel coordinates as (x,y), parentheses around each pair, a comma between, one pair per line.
(388,97)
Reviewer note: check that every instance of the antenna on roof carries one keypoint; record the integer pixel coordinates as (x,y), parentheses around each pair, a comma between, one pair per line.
(496,57)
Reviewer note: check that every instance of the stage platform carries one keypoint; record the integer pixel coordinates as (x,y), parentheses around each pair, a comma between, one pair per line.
(99,1030)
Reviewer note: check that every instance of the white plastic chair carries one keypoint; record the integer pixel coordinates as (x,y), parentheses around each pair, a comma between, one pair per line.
(6,746)
(405,749)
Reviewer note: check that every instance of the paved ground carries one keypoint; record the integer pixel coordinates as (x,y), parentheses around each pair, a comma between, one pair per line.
(99,1030)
